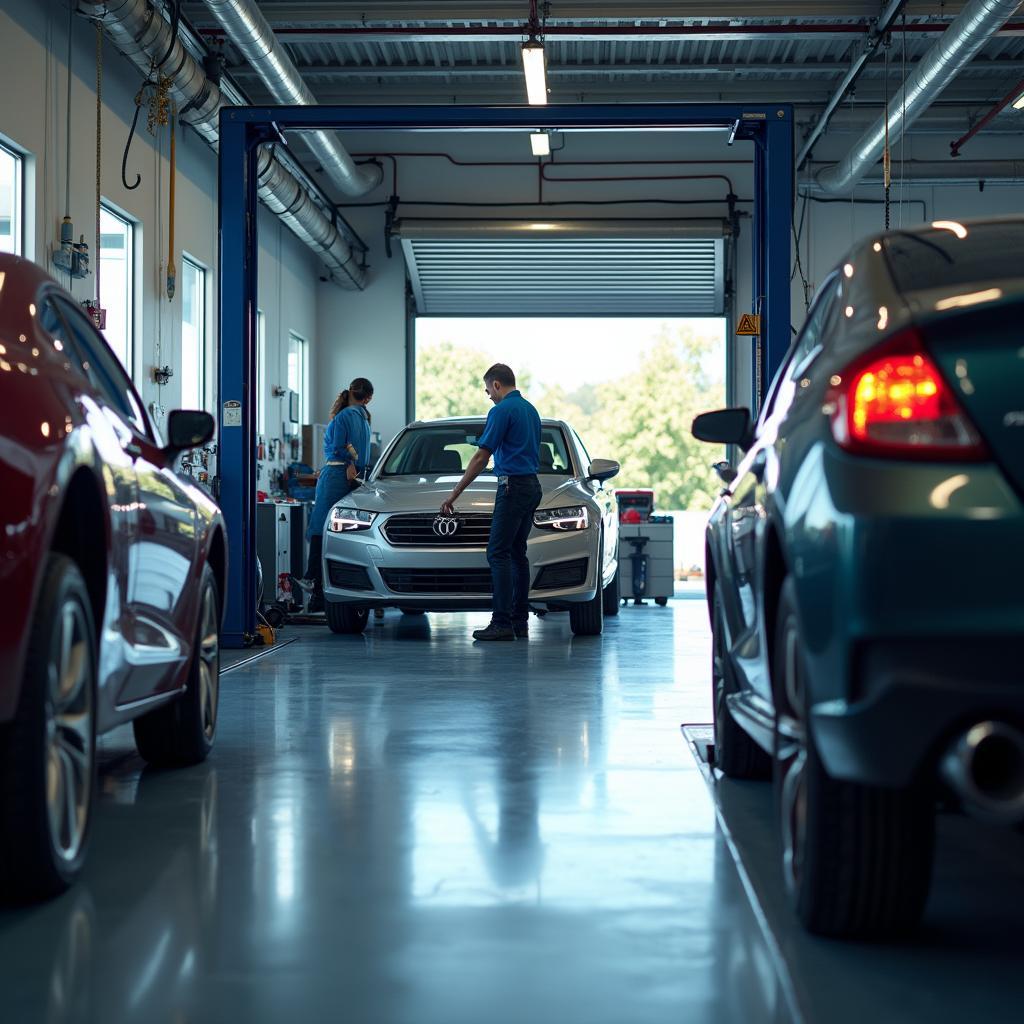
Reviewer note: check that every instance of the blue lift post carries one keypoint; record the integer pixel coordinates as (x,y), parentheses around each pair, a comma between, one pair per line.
(772,230)
(242,129)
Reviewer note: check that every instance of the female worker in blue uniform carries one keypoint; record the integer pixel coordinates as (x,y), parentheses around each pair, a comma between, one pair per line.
(346,455)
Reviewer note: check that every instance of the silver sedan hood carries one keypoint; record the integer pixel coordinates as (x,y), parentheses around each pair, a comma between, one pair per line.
(425,493)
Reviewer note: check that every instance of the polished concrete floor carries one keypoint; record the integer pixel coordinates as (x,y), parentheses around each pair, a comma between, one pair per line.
(405,827)
(962,964)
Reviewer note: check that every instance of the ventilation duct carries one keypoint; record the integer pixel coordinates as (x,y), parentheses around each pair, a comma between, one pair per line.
(246,27)
(943,172)
(973,27)
(140,32)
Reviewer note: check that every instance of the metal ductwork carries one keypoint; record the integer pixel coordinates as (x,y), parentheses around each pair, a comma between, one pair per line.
(943,172)
(973,27)
(141,33)
(249,30)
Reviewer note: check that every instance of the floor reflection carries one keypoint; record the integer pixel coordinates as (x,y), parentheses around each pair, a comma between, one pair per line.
(405,827)
(124,943)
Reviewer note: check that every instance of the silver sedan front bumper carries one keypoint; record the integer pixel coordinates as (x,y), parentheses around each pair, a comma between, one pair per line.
(363,567)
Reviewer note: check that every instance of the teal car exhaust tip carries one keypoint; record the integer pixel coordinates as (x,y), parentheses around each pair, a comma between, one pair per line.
(984,766)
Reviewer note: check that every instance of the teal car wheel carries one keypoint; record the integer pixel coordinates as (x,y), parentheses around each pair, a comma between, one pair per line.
(736,754)
(856,859)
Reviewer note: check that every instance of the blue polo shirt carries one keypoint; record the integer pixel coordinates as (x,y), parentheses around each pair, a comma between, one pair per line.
(512,433)
(350,426)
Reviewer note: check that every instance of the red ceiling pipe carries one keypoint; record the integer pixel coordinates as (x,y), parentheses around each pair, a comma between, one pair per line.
(1017,90)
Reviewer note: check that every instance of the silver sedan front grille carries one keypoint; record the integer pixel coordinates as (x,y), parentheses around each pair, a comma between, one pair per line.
(417,530)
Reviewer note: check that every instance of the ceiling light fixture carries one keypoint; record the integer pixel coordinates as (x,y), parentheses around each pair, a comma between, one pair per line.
(1018,103)
(533,59)
(540,143)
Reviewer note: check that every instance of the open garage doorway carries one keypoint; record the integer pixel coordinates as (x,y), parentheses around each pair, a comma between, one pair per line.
(675,266)
(630,386)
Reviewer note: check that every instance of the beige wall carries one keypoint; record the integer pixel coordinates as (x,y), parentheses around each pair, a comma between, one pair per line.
(33,72)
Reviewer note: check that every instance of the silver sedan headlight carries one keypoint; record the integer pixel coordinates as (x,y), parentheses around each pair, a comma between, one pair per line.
(573,517)
(344,520)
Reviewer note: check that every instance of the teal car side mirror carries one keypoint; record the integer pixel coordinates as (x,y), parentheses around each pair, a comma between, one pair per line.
(724,426)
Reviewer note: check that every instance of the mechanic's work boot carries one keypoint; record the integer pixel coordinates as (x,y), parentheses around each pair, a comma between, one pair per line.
(494,632)
(521,629)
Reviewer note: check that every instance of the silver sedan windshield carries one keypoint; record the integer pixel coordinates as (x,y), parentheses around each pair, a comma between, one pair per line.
(447,448)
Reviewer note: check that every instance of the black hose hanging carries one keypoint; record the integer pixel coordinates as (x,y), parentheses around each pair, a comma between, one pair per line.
(175,22)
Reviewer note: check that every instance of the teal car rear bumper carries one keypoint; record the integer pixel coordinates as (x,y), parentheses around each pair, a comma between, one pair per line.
(910,586)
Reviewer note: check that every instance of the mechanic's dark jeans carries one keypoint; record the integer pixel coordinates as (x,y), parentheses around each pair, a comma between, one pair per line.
(332,485)
(506,551)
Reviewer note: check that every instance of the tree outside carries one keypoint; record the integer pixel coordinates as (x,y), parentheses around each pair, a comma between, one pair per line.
(640,417)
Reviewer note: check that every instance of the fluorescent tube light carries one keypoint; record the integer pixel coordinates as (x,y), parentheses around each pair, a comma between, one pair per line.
(1018,103)
(540,144)
(533,68)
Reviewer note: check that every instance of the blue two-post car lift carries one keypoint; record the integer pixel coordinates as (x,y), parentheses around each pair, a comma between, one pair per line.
(243,129)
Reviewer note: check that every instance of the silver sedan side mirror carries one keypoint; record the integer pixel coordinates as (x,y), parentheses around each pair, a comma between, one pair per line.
(602,469)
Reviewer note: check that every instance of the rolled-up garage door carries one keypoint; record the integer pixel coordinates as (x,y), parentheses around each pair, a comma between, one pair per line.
(565,268)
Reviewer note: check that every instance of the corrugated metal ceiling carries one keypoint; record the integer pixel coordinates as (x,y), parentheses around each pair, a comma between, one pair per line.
(770,57)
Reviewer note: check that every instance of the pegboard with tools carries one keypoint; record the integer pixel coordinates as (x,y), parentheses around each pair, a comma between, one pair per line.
(201,465)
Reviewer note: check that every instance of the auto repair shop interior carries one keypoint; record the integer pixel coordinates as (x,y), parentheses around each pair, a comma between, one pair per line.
(757,752)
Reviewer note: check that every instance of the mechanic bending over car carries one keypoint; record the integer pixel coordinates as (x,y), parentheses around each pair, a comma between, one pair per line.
(512,435)
(346,456)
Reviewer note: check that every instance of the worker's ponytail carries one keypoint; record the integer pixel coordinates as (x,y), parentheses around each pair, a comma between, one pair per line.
(341,402)
(359,390)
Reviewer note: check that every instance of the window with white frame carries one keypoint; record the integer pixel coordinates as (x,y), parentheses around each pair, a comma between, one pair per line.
(298,370)
(261,372)
(10,201)
(117,282)
(193,335)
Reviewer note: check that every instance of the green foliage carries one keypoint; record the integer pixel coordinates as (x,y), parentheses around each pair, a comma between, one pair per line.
(449,382)
(641,418)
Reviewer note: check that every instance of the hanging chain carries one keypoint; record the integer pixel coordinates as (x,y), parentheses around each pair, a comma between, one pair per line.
(99,150)
(903,116)
(887,156)
(159,105)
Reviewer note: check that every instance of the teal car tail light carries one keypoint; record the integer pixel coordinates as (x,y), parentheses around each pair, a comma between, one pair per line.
(894,401)
(575,517)
(344,520)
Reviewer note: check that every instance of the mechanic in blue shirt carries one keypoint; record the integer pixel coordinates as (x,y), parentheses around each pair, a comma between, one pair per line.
(346,456)
(512,434)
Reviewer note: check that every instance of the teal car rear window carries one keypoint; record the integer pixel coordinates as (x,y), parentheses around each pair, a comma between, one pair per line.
(955,256)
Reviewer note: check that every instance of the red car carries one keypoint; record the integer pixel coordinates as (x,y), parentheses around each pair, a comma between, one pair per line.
(112,575)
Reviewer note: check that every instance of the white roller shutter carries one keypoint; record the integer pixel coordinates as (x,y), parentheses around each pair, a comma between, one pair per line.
(565,268)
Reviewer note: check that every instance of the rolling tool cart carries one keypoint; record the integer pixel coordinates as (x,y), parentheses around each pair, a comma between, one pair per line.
(646,562)
(281,549)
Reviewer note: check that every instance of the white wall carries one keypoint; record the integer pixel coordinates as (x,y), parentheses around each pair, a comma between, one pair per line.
(33,59)
(362,334)
(365,333)
(287,294)
(831,228)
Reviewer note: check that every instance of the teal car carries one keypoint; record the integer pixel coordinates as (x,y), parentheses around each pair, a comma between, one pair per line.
(864,567)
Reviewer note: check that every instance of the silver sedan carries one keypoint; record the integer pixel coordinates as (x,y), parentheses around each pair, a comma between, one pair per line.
(386,544)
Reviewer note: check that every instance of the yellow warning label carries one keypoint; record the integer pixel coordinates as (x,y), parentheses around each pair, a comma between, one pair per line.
(750,323)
